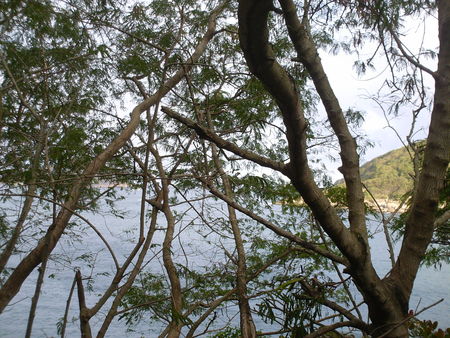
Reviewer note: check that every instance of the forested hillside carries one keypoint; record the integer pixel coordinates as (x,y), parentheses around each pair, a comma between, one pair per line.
(389,176)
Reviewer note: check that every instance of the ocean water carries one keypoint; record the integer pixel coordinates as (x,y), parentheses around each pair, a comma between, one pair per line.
(430,286)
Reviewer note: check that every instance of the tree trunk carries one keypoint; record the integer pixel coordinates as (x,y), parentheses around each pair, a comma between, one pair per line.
(422,214)
(247,324)
(387,299)
(84,313)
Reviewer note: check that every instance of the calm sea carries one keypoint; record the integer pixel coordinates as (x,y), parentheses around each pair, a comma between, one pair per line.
(431,285)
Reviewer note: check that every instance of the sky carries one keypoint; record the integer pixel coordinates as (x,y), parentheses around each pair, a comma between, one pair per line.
(353,91)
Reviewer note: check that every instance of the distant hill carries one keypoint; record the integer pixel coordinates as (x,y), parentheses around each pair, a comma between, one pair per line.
(389,176)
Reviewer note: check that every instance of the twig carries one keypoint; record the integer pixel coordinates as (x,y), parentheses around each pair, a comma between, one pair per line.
(66,311)
(409,57)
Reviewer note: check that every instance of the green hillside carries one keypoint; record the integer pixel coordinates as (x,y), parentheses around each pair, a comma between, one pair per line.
(388,176)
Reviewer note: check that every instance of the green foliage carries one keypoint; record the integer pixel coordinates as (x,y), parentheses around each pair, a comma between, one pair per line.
(291,307)
(150,292)
(229,332)
(427,329)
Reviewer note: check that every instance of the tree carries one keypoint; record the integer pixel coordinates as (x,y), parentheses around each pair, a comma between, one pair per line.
(387,298)
(195,137)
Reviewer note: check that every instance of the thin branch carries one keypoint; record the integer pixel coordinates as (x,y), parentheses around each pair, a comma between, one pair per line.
(317,296)
(324,329)
(209,135)
(385,228)
(339,273)
(134,36)
(66,311)
(279,231)
(35,299)
(408,57)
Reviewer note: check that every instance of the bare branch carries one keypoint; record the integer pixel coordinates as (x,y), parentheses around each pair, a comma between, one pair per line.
(209,135)
(408,57)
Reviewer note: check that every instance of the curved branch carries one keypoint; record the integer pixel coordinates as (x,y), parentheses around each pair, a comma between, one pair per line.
(332,305)
(209,135)
(84,219)
(324,329)
(409,57)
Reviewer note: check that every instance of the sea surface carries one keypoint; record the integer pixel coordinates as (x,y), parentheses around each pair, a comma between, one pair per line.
(432,284)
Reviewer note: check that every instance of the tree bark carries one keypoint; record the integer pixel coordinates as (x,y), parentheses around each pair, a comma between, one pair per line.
(308,55)
(84,313)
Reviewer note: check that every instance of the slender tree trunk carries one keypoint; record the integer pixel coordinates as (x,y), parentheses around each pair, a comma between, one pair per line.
(174,328)
(247,324)
(422,214)
(175,285)
(66,311)
(84,312)
(35,299)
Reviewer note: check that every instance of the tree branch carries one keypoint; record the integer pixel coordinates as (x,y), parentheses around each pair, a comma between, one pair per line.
(84,313)
(422,215)
(209,135)
(286,234)
(324,329)
(408,56)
